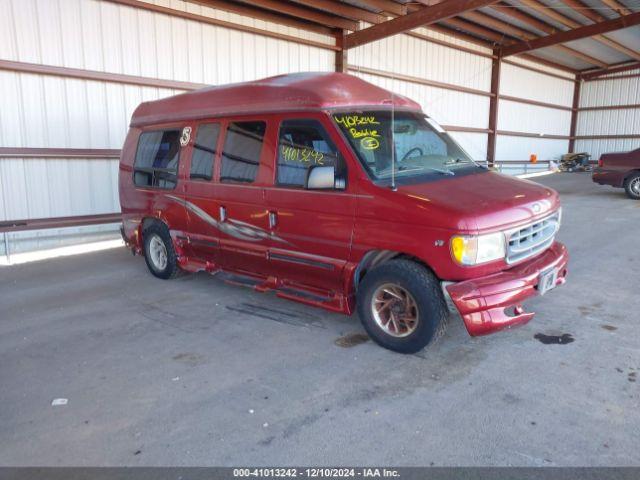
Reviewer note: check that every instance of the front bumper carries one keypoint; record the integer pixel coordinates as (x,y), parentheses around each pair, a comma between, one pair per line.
(493,303)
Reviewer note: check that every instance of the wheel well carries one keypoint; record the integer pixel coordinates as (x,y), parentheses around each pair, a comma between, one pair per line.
(375,258)
(631,174)
(145,224)
(148,221)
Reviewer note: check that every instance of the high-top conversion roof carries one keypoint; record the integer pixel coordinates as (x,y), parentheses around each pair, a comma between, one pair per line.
(297,91)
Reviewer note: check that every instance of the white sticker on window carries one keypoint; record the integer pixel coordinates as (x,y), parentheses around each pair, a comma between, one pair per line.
(186,136)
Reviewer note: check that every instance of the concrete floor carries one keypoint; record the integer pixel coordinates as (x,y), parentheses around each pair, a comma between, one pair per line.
(197,372)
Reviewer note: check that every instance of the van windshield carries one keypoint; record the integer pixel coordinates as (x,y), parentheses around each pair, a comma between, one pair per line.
(421,146)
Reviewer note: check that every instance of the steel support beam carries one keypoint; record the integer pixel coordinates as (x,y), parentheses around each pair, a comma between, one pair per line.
(574,34)
(617,7)
(424,16)
(294,11)
(388,6)
(503,28)
(569,22)
(592,75)
(496,65)
(574,113)
(345,10)
(341,55)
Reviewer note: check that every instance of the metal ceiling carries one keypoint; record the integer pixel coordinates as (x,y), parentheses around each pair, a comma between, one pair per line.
(493,24)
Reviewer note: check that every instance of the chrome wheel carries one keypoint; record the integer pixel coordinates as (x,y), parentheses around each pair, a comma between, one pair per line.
(634,186)
(394,310)
(158,253)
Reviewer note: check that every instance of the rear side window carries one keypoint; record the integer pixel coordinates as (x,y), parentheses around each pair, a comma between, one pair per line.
(204,151)
(241,152)
(303,144)
(156,163)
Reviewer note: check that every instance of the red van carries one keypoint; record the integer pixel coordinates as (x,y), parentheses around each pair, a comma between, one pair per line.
(336,193)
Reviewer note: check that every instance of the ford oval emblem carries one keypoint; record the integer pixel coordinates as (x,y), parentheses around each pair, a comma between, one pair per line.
(536,208)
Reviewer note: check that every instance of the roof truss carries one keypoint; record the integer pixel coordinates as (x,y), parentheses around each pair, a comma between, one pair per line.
(422,17)
(573,34)
(515,27)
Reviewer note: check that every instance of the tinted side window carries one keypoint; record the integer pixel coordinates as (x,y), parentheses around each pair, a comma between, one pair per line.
(241,152)
(156,163)
(204,151)
(303,144)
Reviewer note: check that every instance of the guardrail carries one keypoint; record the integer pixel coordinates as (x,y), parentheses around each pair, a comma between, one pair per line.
(58,222)
(10,226)
(503,166)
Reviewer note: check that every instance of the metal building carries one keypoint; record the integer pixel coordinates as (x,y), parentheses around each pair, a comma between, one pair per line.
(507,79)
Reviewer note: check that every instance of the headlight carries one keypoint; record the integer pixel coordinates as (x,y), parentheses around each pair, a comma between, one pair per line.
(475,249)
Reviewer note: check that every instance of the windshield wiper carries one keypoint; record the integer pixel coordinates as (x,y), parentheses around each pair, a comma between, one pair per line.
(443,171)
(460,160)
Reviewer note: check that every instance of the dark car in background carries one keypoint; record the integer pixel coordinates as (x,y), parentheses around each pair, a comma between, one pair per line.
(621,170)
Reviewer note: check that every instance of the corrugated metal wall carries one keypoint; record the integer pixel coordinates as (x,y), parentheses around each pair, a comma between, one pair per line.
(540,120)
(468,110)
(622,91)
(52,111)
(414,57)
(49,111)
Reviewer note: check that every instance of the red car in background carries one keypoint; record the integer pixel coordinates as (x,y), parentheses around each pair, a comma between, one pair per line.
(621,170)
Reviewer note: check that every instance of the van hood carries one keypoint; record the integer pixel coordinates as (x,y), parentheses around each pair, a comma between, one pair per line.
(485,200)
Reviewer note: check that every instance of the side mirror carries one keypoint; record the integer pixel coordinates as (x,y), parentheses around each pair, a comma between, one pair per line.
(324,178)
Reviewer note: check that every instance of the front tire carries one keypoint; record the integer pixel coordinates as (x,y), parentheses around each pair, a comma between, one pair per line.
(632,186)
(401,306)
(159,253)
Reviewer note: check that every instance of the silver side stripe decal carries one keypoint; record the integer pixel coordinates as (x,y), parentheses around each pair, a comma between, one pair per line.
(233,228)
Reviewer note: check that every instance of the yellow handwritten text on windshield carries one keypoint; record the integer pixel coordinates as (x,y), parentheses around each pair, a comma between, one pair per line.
(355,133)
(356,120)
(369,143)
(361,127)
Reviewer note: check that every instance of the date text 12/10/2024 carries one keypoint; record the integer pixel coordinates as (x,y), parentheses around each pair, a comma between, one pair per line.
(315,473)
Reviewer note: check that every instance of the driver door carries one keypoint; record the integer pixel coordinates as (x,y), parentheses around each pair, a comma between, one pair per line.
(310,229)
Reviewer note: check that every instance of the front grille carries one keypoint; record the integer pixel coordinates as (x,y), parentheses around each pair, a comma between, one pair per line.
(525,242)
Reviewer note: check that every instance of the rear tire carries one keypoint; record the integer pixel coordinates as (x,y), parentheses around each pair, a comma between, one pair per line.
(159,253)
(401,306)
(632,186)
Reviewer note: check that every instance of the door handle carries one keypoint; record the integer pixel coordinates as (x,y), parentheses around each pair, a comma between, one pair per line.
(223,213)
(273,219)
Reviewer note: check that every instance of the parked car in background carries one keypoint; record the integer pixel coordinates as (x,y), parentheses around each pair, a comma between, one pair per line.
(333,192)
(620,170)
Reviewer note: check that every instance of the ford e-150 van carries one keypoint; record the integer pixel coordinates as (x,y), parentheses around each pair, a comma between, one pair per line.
(333,192)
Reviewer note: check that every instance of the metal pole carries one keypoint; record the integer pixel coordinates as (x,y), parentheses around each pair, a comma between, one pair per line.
(496,64)
(574,113)
(6,246)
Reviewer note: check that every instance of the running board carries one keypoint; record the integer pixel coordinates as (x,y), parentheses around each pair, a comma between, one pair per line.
(292,292)
(240,280)
(335,302)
